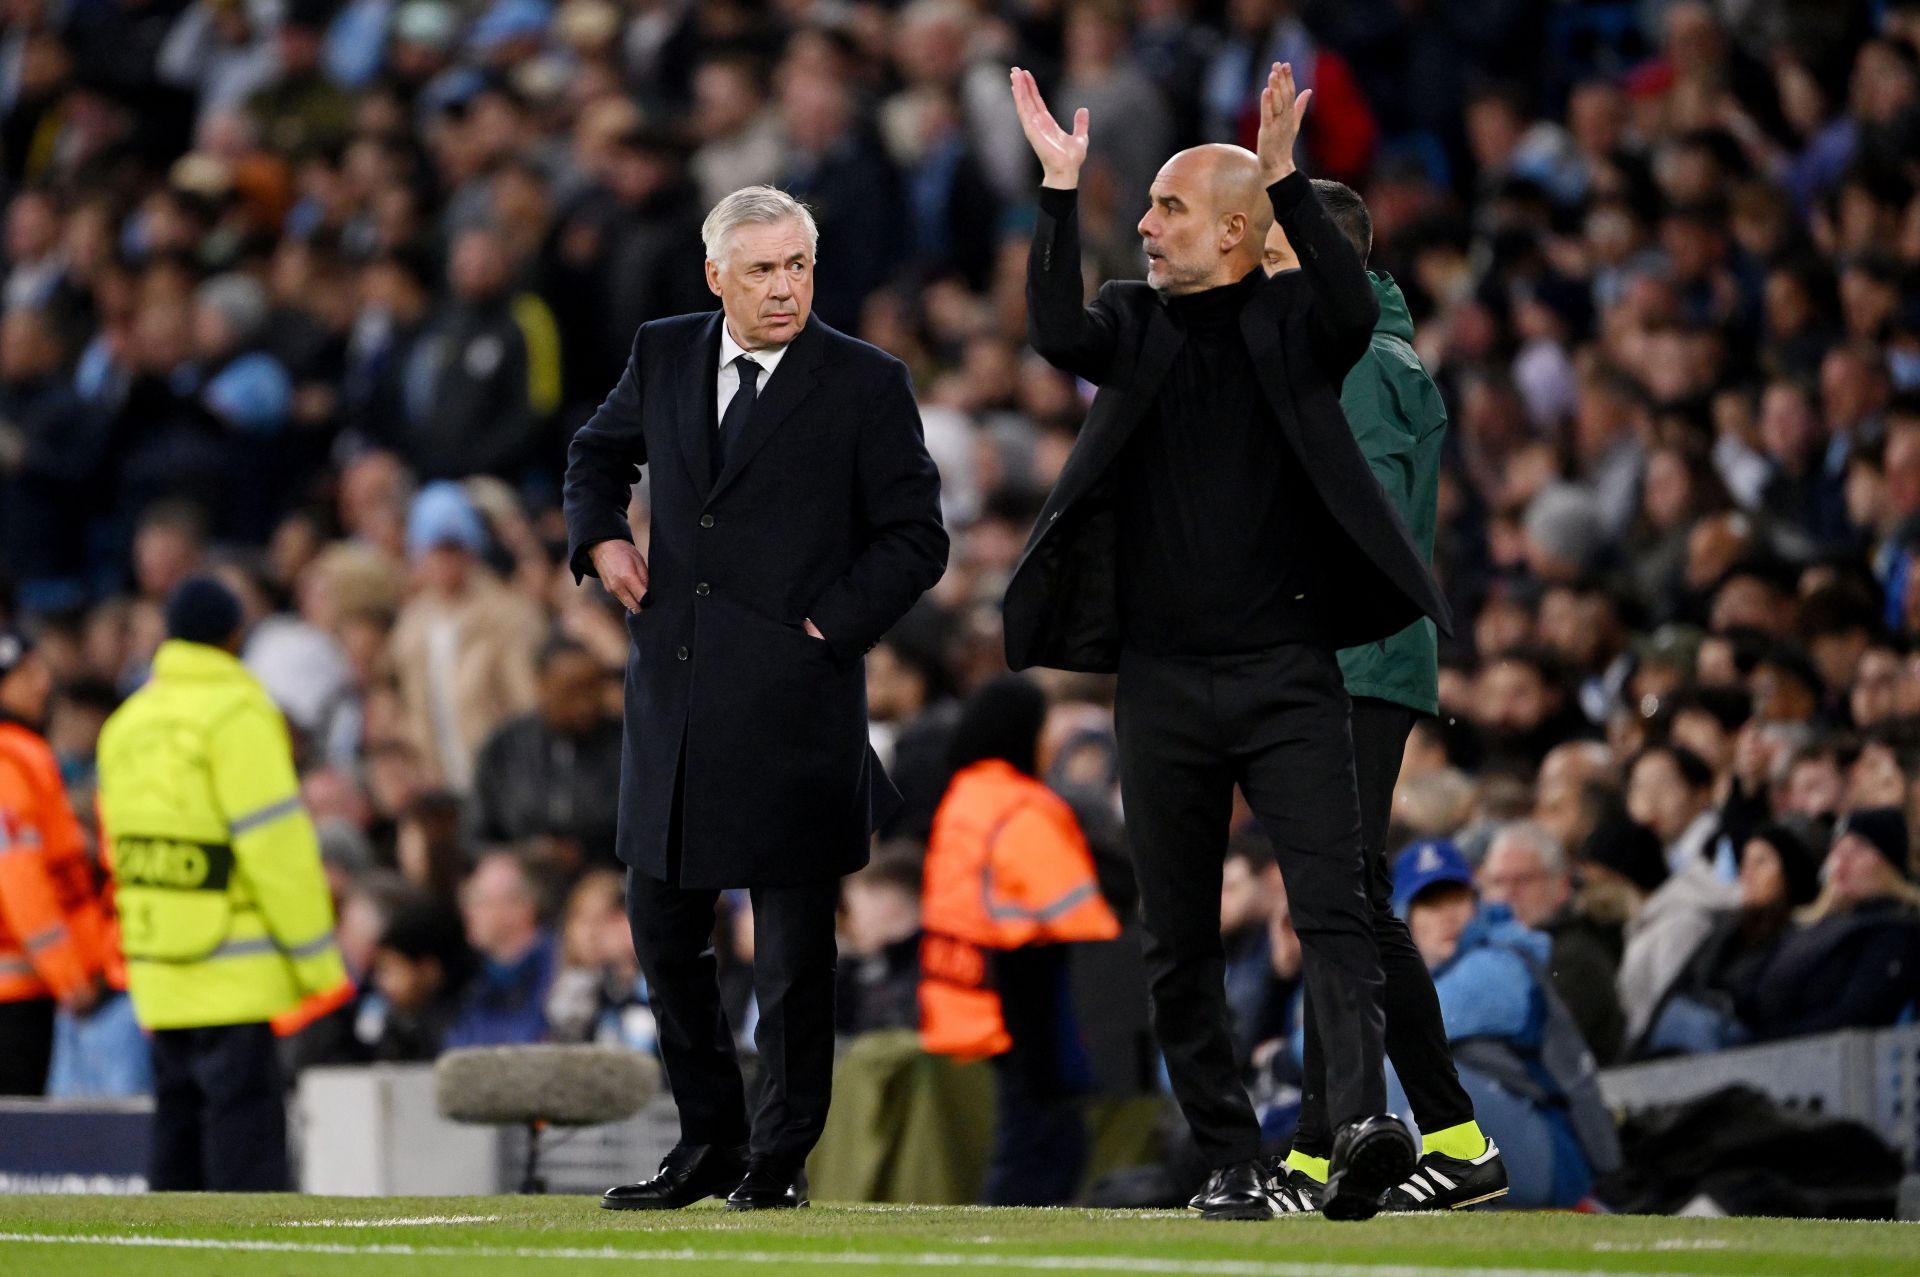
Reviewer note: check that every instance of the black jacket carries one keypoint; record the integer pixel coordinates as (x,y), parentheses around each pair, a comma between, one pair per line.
(829,509)
(487,408)
(529,781)
(1854,970)
(1305,329)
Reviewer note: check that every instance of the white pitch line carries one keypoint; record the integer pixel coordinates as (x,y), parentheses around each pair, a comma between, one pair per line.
(402,1222)
(861,1259)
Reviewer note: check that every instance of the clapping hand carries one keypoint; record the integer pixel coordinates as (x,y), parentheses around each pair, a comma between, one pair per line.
(1281,110)
(1061,153)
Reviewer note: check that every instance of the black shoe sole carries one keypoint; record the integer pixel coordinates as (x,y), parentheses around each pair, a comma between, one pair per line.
(608,1204)
(1245,1211)
(1373,1165)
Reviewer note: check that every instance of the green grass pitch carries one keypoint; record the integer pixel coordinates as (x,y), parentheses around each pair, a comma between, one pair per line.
(205,1236)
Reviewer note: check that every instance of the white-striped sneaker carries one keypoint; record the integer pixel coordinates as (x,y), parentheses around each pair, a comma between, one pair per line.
(1293,1191)
(1440,1182)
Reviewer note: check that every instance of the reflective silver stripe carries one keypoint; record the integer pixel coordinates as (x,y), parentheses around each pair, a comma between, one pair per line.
(265,816)
(244,949)
(312,948)
(21,843)
(51,936)
(15,966)
(1046,913)
(262,945)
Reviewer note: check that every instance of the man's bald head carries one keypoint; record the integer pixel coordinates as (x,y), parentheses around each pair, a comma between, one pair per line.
(1208,219)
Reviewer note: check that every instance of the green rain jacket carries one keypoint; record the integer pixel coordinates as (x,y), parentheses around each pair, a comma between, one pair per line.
(1399,421)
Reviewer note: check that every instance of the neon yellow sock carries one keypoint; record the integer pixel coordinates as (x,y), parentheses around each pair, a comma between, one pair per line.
(1315,1167)
(1464,1141)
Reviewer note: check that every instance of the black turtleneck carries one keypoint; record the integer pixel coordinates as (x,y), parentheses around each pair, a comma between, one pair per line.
(1217,522)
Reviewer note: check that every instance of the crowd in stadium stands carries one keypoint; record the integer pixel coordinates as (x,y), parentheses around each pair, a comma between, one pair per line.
(311,294)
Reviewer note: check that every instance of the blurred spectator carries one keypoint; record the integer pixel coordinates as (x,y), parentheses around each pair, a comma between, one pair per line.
(552,777)
(1855,963)
(299,110)
(1526,870)
(53,935)
(600,995)
(840,170)
(1009,887)
(1250,891)
(879,978)
(1674,919)
(625,250)
(491,376)
(505,1002)
(463,649)
(52,447)
(1519,1053)
(1711,1002)
(420,970)
(1670,791)
(429,849)
(911,713)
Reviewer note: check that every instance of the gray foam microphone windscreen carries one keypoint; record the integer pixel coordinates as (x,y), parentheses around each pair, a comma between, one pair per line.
(557,1085)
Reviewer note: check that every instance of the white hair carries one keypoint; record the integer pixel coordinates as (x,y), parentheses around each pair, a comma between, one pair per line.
(1526,833)
(759,205)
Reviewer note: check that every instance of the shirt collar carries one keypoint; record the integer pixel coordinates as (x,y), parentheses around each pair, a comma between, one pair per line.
(768,357)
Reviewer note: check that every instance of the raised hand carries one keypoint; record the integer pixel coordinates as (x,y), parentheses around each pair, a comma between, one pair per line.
(1281,110)
(1061,153)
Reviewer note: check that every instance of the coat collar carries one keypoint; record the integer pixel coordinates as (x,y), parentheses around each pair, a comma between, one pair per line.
(696,419)
(785,389)
(787,386)
(177,658)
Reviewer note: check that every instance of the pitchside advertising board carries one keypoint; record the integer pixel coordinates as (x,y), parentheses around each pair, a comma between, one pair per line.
(92,1146)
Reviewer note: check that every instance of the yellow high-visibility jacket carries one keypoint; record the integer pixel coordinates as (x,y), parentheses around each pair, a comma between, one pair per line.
(224,911)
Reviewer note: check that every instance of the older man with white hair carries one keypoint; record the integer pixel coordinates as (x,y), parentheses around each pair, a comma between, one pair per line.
(795,518)
(1526,869)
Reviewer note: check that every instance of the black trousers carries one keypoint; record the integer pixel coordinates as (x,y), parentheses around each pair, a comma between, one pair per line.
(1416,1037)
(219,1111)
(1040,1143)
(793,963)
(26,1045)
(1275,723)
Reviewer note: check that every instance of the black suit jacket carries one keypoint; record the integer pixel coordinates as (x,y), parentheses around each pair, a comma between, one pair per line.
(828,508)
(1305,329)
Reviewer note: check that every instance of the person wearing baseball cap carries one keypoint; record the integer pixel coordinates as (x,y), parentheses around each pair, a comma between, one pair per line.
(1490,974)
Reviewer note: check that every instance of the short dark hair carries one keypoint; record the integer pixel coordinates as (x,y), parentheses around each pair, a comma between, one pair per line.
(1349,213)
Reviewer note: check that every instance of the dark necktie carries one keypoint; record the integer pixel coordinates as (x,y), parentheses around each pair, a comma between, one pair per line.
(733,422)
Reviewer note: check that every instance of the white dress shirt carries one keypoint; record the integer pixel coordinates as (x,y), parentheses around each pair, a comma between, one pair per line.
(768,357)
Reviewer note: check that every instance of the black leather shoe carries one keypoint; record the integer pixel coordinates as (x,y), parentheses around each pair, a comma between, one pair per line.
(769,1188)
(1369,1157)
(1240,1191)
(687,1174)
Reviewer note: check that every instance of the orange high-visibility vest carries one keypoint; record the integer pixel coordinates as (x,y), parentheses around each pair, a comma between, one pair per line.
(1007,867)
(52,932)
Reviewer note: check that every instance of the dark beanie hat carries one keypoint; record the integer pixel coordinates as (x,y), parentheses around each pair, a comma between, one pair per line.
(1629,849)
(1797,861)
(202,610)
(1001,720)
(1885,830)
